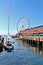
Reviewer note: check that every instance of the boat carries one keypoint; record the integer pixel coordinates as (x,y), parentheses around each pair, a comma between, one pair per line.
(1,43)
(9,44)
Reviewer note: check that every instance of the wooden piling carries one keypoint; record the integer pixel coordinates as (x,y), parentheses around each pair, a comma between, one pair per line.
(38,51)
(42,46)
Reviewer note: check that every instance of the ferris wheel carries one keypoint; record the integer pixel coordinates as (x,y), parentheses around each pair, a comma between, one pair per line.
(23,23)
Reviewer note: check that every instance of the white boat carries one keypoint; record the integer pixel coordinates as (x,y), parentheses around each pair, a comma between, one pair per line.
(9,44)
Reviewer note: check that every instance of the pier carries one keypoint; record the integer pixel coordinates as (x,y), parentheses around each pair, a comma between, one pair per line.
(33,36)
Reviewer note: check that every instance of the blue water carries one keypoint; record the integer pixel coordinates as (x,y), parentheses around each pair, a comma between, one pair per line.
(21,55)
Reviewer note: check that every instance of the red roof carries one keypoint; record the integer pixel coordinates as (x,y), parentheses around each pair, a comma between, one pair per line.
(38,29)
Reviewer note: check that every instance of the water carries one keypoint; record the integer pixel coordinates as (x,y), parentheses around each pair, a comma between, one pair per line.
(21,55)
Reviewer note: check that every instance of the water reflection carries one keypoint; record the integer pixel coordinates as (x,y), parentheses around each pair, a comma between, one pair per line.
(22,54)
(1,51)
(37,49)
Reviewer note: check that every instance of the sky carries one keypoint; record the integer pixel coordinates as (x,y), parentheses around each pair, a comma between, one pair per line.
(32,9)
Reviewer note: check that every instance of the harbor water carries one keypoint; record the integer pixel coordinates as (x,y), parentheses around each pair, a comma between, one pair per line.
(22,54)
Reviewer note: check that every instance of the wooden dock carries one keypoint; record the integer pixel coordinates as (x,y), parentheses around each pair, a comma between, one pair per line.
(34,41)
(35,38)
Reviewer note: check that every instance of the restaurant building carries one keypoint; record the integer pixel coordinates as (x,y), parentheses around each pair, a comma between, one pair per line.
(36,31)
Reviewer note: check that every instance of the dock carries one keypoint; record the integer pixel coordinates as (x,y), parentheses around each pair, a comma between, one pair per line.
(33,36)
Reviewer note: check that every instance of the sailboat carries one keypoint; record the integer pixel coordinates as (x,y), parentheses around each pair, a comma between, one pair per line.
(9,44)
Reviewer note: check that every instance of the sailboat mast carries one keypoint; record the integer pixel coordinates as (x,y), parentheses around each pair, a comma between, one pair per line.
(8,15)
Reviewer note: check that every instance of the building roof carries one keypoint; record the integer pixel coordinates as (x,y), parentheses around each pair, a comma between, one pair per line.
(38,29)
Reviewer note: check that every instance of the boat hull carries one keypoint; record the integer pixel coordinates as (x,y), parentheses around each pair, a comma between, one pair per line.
(6,47)
(1,46)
